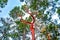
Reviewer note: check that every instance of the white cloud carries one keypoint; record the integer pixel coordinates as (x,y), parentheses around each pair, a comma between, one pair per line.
(10,38)
(58,21)
(1,34)
(55,16)
(26,15)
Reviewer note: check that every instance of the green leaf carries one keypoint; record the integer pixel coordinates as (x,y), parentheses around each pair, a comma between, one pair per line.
(15,12)
(56,0)
(14,35)
(3,3)
(17,22)
(29,19)
(44,17)
(58,11)
(39,15)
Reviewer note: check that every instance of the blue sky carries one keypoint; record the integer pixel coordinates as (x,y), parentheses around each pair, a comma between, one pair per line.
(10,5)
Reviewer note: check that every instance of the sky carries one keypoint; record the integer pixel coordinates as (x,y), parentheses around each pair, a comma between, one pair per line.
(10,5)
(5,11)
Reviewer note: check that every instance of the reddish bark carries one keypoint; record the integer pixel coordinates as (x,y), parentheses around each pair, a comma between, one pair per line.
(49,36)
(32,29)
(31,25)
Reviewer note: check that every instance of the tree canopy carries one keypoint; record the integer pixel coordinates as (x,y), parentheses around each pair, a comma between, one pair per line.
(3,3)
(42,10)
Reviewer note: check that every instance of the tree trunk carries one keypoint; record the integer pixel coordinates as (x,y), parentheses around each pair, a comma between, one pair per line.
(33,34)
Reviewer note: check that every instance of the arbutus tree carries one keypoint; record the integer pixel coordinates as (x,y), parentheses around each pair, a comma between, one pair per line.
(49,32)
(40,15)
(32,29)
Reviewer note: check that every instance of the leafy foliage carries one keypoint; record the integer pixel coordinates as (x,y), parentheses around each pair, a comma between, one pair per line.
(37,4)
(21,0)
(29,19)
(14,35)
(58,11)
(15,12)
(23,29)
(52,29)
(3,3)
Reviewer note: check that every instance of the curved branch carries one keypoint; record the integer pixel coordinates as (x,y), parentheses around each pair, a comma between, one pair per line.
(24,21)
(27,10)
(33,18)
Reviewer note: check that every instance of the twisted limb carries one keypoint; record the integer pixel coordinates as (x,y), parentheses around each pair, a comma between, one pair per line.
(32,29)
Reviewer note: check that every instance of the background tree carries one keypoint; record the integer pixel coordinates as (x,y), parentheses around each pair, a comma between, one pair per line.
(16,11)
(45,28)
(3,3)
(5,29)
